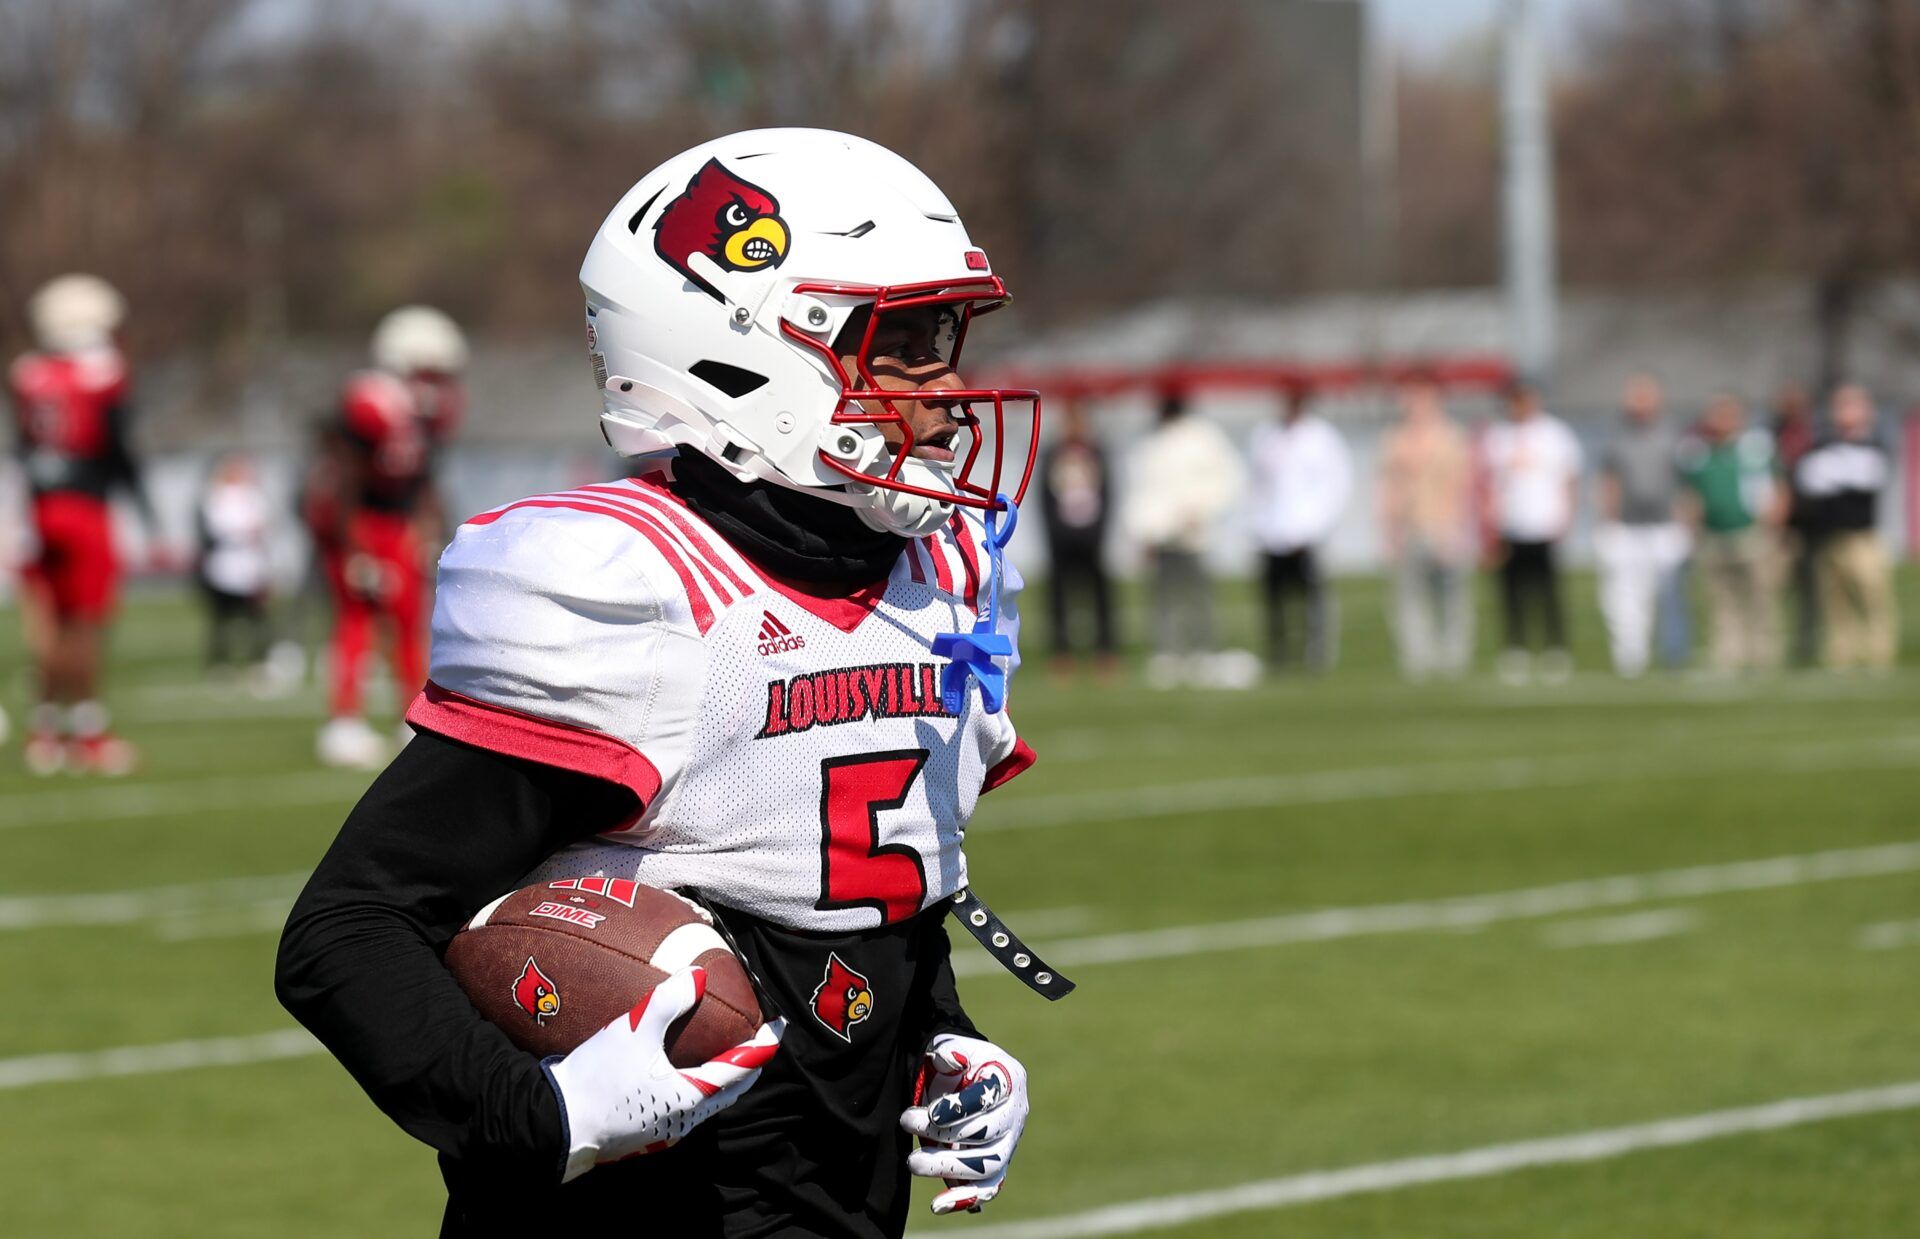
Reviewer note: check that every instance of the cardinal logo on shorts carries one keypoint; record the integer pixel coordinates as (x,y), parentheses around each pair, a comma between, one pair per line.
(844,999)
(735,223)
(536,994)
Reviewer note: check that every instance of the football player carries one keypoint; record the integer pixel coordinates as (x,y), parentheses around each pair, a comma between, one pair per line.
(393,419)
(718,679)
(70,410)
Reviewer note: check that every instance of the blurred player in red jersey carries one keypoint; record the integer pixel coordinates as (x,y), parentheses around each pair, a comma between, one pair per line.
(70,409)
(393,419)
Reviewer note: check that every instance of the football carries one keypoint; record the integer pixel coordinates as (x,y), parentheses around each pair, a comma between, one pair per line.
(552,963)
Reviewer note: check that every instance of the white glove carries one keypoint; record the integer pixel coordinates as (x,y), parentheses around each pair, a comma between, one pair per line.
(619,1095)
(970,1108)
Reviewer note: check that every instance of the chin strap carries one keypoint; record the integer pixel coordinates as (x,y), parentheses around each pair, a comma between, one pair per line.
(971,655)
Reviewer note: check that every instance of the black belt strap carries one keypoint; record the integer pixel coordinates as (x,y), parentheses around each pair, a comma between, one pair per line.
(1013,954)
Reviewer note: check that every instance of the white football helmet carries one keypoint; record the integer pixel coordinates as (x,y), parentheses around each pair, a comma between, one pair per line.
(75,313)
(717,290)
(418,338)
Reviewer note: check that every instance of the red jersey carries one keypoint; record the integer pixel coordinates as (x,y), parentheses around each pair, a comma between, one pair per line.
(68,409)
(395,425)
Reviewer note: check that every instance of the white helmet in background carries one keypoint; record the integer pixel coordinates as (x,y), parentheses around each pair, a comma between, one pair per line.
(416,338)
(718,289)
(74,313)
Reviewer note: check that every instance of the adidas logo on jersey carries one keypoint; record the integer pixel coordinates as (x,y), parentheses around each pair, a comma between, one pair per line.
(776,637)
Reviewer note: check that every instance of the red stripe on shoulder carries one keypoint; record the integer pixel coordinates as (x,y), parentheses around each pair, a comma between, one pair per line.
(701,534)
(913,563)
(654,500)
(561,745)
(942,575)
(662,542)
(1009,766)
(692,551)
(969,559)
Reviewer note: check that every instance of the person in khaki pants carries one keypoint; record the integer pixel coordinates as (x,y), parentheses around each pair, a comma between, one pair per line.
(1736,505)
(1843,479)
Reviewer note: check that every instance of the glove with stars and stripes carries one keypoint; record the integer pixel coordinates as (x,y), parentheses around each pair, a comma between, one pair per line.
(970,1106)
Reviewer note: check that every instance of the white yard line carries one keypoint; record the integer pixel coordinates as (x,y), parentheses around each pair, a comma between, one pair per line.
(176,904)
(1620,930)
(1888,935)
(240,921)
(1603,1144)
(239,709)
(152,903)
(1051,920)
(61,806)
(1470,911)
(1098,808)
(136,1060)
(119,802)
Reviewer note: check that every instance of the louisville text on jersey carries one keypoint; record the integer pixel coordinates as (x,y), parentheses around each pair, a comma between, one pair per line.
(852,694)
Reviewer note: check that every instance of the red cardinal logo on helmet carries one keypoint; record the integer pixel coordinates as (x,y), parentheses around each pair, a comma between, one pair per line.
(844,999)
(732,222)
(536,994)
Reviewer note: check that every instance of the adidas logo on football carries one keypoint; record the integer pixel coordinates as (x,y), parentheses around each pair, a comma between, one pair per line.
(776,637)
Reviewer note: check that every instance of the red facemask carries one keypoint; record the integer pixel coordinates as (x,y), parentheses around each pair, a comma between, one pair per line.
(979,474)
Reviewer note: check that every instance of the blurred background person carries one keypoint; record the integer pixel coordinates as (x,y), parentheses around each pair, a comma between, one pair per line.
(1640,541)
(1532,463)
(235,522)
(1736,507)
(1426,524)
(1842,480)
(1794,435)
(1302,476)
(1184,476)
(317,507)
(1076,499)
(393,419)
(70,403)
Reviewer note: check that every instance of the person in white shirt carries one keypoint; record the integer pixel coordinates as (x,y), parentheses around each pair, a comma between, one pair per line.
(1302,476)
(1185,476)
(1639,542)
(1532,466)
(235,520)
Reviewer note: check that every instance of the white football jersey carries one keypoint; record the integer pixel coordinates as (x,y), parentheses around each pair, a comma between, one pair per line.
(792,752)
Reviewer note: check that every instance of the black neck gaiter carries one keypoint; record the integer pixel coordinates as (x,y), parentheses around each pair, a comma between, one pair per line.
(788,533)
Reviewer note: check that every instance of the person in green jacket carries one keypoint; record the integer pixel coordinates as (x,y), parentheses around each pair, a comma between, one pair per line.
(1736,504)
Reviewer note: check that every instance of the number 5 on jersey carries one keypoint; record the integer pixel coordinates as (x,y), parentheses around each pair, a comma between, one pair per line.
(856,869)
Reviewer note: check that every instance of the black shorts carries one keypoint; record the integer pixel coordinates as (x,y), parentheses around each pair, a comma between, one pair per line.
(814,1148)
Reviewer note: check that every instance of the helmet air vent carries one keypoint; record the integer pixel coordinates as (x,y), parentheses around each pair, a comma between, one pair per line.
(633,225)
(733,380)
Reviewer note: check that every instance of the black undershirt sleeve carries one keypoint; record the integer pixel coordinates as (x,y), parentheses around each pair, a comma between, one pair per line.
(123,470)
(443,831)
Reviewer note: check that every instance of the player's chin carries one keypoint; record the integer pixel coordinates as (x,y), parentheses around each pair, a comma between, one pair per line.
(928,452)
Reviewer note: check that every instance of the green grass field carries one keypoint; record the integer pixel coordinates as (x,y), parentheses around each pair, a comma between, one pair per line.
(1466,983)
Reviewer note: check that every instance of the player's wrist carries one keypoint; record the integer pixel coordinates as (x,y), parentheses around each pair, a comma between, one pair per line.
(568,1160)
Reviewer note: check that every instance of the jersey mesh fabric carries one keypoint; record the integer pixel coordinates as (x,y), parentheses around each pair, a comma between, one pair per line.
(615,610)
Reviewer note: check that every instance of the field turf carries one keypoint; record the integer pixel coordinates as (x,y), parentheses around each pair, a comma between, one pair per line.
(1467,981)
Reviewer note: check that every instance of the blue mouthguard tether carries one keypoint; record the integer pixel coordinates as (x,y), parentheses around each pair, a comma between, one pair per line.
(972,654)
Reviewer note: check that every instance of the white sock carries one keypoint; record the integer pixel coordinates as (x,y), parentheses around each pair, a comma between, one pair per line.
(87,720)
